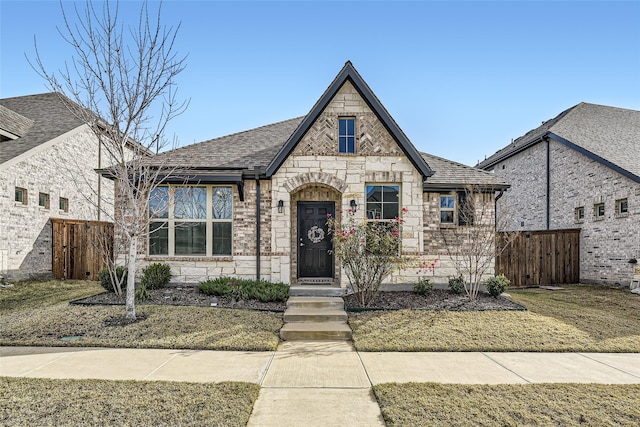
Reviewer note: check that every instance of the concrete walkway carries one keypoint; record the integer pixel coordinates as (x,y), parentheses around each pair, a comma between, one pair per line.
(319,383)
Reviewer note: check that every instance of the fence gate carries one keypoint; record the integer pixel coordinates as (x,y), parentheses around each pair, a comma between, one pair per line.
(77,248)
(541,258)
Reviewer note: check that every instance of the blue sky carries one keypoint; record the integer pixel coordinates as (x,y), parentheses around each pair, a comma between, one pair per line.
(460,78)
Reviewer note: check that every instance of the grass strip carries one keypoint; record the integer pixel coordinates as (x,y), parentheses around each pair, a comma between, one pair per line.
(47,402)
(430,404)
(160,327)
(580,318)
(36,294)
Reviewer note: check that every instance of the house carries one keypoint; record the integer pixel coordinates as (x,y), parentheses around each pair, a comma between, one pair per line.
(47,162)
(580,169)
(255,203)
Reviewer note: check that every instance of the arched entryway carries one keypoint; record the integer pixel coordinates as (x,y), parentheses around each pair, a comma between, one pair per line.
(312,258)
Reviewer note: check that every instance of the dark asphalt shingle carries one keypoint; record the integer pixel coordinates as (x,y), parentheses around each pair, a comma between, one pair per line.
(50,118)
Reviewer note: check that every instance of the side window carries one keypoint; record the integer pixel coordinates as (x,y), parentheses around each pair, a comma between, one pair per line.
(347,135)
(447,208)
(21,195)
(43,200)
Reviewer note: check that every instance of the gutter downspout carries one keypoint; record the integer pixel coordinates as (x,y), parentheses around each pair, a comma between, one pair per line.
(546,138)
(257,176)
(99,179)
(495,209)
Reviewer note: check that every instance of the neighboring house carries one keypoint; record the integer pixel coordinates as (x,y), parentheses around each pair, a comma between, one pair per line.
(580,169)
(47,170)
(255,203)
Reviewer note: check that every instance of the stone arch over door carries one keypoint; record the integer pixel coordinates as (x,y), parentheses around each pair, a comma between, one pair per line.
(311,192)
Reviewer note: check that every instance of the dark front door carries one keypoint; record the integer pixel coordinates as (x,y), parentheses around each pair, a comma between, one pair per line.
(314,241)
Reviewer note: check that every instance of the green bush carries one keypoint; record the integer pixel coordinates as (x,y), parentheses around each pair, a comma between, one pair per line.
(456,285)
(105,278)
(156,276)
(142,293)
(423,287)
(242,289)
(497,285)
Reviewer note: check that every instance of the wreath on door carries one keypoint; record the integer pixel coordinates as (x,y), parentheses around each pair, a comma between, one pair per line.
(315,234)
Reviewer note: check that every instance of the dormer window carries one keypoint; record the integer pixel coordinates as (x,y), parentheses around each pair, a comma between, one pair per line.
(347,135)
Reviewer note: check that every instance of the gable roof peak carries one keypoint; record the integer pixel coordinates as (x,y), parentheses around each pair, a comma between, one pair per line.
(349,73)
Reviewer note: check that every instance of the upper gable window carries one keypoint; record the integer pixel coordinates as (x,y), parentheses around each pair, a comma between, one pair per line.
(347,135)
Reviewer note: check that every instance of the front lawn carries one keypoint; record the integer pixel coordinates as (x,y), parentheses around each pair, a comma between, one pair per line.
(431,404)
(581,318)
(44,321)
(46,402)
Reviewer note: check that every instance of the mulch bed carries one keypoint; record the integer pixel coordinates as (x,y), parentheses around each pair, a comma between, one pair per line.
(188,295)
(438,299)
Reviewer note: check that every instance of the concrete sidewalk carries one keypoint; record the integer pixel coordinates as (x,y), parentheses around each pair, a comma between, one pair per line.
(319,383)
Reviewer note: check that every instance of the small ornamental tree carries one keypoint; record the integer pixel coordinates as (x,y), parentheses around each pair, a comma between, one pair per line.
(368,252)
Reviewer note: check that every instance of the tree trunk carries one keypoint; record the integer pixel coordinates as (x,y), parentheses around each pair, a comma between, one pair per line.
(131,279)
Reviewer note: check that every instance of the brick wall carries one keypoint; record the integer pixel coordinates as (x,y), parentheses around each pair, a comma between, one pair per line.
(64,169)
(606,244)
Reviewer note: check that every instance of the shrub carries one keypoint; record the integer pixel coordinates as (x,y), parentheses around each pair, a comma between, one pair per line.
(456,285)
(242,289)
(156,276)
(142,293)
(105,278)
(497,285)
(423,287)
(268,291)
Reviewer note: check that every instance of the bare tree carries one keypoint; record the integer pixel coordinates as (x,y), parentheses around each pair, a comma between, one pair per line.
(471,244)
(122,84)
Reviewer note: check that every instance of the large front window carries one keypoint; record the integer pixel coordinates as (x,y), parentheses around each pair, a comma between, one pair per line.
(383,202)
(191,220)
(383,210)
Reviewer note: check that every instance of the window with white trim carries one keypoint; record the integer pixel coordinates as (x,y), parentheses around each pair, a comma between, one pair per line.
(622,207)
(191,220)
(447,208)
(21,195)
(64,204)
(579,214)
(43,200)
(598,211)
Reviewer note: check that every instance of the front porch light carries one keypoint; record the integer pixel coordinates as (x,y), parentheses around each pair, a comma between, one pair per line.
(280,206)
(354,205)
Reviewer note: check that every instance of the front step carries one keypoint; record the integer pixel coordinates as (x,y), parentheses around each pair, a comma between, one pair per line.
(315,318)
(316,291)
(327,331)
(303,314)
(330,303)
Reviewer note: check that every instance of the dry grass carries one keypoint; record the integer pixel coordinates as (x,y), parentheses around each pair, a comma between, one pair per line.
(583,318)
(45,402)
(34,294)
(40,323)
(509,405)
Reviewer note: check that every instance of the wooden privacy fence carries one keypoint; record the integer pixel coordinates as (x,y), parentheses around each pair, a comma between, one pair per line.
(77,248)
(540,258)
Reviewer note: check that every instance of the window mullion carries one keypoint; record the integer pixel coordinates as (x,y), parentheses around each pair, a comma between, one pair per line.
(209,221)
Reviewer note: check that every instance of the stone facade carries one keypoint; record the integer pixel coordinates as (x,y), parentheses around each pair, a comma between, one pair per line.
(61,169)
(315,171)
(607,243)
(438,236)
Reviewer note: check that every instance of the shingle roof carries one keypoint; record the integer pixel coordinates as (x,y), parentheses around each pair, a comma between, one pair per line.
(13,122)
(243,150)
(449,174)
(610,135)
(49,118)
(258,147)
